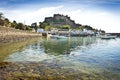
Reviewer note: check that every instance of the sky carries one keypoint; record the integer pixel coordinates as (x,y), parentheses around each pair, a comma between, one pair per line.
(100,14)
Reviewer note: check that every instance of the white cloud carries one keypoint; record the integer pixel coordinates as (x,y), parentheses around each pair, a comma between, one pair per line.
(30,16)
(40,12)
(96,18)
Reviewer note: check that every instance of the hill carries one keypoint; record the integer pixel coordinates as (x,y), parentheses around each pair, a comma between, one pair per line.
(61,21)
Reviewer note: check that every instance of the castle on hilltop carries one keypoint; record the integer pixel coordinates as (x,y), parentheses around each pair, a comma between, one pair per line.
(60,20)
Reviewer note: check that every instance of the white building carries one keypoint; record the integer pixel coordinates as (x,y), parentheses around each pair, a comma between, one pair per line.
(40,30)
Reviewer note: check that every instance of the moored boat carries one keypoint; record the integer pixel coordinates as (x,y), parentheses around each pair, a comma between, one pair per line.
(58,37)
(108,37)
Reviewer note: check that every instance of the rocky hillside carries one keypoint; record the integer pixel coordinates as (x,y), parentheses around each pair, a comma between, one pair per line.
(60,20)
(64,22)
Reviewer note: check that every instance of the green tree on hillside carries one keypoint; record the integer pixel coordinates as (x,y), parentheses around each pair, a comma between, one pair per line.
(48,28)
(34,25)
(1,16)
(66,27)
(43,25)
(87,27)
(20,26)
(6,22)
(1,19)
(14,24)
(28,28)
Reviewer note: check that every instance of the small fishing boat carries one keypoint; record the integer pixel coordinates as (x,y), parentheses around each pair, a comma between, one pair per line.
(108,37)
(58,37)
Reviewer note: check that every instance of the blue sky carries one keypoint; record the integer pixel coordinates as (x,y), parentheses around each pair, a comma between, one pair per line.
(104,14)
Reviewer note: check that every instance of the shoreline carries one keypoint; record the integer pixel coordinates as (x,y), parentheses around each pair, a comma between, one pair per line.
(47,71)
(8,35)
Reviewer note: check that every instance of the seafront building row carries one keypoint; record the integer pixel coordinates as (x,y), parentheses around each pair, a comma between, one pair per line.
(71,32)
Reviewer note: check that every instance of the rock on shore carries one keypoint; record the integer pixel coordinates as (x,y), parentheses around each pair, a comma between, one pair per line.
(48,71)
(13,35)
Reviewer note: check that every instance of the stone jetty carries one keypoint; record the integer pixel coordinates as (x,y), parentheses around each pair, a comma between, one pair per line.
(13,35)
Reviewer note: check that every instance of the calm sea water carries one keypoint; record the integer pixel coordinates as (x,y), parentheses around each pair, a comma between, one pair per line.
(81,53)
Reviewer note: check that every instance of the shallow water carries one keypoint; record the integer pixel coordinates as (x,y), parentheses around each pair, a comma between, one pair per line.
(85,54)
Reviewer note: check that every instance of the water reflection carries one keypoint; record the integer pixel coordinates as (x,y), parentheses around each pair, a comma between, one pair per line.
(65,46)
(52,48)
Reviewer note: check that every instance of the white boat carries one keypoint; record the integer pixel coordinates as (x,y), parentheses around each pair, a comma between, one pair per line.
(108,37)
(58,37)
